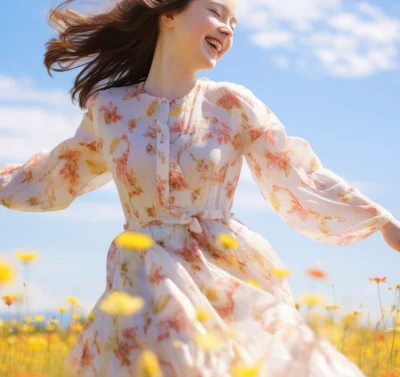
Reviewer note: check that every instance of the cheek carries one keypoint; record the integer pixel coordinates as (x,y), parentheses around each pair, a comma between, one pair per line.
(196,28)
(228,47)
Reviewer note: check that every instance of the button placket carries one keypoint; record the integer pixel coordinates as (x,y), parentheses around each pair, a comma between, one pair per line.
(163,149)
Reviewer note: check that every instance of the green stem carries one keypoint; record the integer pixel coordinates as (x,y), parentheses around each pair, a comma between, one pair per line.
(395,327)
(384,327)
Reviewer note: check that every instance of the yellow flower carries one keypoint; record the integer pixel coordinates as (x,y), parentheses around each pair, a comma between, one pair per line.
(26,256)
(27,319)
(39,318)
(121,303)
(148,365)
(209,341)
(332,307)
(349,319)
(61,309)
(245,371)
(280,273)
(393,329)
(9,299)
(134,241)
(76,326)
(72,300)
(313,299)
(50,327)
(76,316)
(254,283)
(396,286)
(297,304)
(177,344)
(227,241)
(202,315)
(12,339)
(7,272)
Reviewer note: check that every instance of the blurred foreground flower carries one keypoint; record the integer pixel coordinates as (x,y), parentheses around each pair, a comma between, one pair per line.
(26,256)
(148,365)
(134,241)
(254,283)
(227,241)
(280,273)
(7,272)
(245,371)
(121,303)
(209,341)
(202,315)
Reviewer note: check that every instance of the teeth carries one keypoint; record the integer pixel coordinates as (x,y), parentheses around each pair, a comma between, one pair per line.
(214,43)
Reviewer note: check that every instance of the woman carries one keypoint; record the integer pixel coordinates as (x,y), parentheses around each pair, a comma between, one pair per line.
(174,146)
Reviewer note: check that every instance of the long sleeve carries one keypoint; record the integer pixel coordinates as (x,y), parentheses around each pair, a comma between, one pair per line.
(310,198)
(51,179)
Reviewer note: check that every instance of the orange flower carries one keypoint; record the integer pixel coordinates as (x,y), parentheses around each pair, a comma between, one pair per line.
(316,273)
(378,280)
(379,336)
(8,299)
(389,373)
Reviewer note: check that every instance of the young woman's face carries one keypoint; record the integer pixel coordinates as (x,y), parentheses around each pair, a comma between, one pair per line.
(203,19)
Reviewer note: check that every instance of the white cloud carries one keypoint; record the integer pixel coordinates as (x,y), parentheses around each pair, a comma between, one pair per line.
(23,89)
(354,42)
(281,61)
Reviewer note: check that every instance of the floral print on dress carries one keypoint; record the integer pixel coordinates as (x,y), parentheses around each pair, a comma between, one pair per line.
(176,164)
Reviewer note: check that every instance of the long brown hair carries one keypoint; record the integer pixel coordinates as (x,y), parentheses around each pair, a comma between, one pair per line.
(118,45)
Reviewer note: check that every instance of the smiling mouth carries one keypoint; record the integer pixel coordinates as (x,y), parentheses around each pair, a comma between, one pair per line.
(212,48)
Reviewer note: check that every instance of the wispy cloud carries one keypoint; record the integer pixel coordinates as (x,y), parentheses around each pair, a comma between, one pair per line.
(346,42)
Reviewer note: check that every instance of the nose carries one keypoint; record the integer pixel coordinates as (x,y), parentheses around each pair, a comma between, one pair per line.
(227,32)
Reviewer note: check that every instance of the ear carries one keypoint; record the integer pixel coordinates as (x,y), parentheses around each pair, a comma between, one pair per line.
(168,19)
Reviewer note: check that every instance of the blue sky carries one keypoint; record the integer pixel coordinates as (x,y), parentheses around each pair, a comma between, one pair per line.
(329,69)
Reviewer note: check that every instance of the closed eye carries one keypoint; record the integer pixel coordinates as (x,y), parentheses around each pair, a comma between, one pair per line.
(215,12)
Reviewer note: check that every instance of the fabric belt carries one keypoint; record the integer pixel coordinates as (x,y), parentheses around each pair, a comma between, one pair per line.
(179,216)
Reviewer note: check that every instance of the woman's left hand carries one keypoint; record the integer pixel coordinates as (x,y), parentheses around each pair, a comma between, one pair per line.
(391,234)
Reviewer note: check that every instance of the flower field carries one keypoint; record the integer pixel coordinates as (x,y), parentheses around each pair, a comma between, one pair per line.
(35,346)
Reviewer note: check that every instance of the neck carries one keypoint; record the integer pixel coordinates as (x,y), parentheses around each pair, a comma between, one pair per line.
(168,77)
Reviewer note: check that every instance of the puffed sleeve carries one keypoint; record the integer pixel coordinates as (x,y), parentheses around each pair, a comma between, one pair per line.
(310,198)
(51,179)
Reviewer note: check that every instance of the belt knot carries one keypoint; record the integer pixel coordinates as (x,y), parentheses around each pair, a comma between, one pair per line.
(179,216)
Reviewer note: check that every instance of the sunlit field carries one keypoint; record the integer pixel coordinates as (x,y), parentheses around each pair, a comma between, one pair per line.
(36,346)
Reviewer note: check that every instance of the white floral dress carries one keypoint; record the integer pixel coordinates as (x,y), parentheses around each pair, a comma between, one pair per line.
(176,164)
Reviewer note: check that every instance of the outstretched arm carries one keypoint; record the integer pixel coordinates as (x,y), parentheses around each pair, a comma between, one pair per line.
(50,180)
(310,198)
(391,234)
